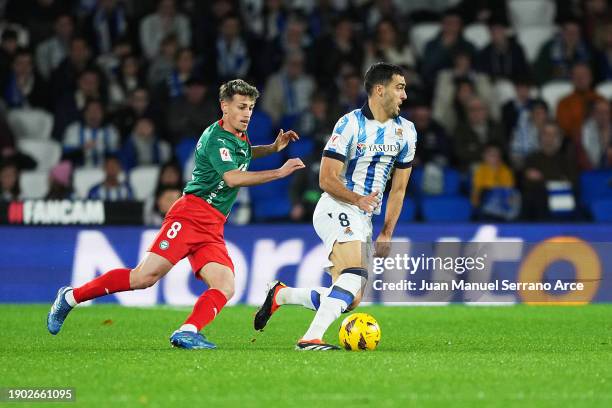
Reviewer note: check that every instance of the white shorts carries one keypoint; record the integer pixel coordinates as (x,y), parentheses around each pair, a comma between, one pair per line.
(335,221)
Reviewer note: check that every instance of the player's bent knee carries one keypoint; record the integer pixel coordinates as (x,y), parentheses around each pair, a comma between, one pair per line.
(227,288)
(142,277)
(143,281)
(219,277)
(152,268)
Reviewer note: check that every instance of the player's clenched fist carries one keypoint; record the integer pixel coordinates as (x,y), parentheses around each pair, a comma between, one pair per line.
(370,202)
(290,166)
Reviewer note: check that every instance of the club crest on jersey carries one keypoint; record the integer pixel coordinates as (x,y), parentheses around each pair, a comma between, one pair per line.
(361,148)
(399,132)
(348,231)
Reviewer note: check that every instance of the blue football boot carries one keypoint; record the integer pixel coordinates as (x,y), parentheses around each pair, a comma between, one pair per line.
(59,311)
(190,340)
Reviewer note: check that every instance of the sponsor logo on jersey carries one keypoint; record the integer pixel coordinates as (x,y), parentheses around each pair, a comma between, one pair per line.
(362,148)
(225,154)
(164,245)
(384,148)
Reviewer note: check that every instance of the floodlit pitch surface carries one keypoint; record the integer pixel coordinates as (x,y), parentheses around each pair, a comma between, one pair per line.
(428,356)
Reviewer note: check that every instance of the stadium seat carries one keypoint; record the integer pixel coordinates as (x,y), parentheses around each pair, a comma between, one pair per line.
(552,92)
(23,36)
(47,153)
(272,161)
(561,199)
(446,209)
(503,91)
(260,128)
(407,215)
(602,210)
(270,201)
(421,34)
(185,154)
(184,149)
(531,13)
(478,34)
(302,148)
(595,185)
(271,210)
(85,178)
(605,89)
(533,38)
(143,180)
(34,184)
(30,123)
(287,122)
(271,190)
(450,185)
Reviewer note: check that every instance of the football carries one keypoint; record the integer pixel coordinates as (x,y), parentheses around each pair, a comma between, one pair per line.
(359,331)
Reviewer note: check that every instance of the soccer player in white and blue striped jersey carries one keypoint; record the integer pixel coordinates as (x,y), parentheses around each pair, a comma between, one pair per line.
(366,145)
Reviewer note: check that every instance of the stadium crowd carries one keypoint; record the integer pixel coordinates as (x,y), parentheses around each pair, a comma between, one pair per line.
(510,98)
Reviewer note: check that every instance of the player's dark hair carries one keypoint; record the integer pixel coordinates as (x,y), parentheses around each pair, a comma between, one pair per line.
(93,101)
(21,51)
(112,156)
(452,12)
(16,189)
(237,87)
(538,103)
(380,73)
(181,51)
(9,34)
(492,145)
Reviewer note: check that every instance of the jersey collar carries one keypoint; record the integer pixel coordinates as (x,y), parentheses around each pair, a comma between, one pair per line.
(367,112)
(243,135)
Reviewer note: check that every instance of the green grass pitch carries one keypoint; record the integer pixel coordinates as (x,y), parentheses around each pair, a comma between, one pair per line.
(429,356)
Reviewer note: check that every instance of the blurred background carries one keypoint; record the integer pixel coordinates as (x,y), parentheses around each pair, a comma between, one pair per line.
(105,99)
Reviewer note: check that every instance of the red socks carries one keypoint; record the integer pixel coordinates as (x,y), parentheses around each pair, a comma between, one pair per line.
(207,307)
(115,280)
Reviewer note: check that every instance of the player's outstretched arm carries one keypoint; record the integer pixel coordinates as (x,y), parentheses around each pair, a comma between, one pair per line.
(237,178)
(329,181)
(282,140)
(394,208)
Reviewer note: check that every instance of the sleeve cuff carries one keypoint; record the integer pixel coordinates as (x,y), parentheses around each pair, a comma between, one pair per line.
(334,155)
(400,165)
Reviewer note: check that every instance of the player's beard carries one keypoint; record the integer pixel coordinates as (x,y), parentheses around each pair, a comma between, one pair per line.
(392,109)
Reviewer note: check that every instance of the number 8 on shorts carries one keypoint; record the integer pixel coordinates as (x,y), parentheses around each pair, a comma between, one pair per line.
(174,230)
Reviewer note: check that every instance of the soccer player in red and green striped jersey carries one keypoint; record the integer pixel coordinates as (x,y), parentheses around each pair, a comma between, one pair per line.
(193,227)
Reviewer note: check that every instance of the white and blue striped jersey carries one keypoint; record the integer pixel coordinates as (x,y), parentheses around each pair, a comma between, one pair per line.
(122,192)
(370,149)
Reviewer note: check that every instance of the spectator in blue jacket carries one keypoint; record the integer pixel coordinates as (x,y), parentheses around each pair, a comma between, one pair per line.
(144,147)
